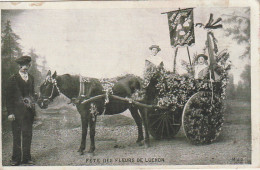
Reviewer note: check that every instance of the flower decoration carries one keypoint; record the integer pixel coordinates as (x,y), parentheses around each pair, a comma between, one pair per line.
(205,117)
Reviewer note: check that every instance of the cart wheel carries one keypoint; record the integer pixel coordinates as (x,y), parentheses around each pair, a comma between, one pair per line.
(163,124)
(203,118)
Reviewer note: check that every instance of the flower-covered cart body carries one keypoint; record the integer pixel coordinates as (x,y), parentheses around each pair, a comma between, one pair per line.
(196,104)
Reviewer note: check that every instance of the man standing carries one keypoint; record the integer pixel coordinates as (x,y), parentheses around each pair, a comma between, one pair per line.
(21,111)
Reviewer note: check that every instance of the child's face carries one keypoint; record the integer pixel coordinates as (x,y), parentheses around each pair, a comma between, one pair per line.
(201,60)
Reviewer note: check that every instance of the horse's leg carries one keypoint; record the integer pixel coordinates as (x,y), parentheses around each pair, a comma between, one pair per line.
(84,124)
(92,124)
(144,114)
(138,121)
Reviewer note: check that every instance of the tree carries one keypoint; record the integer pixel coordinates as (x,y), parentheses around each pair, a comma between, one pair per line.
(10,45)
(11,49)
(34,68)
(246,80)
(238,27)
(43,66)
(243,89)
(231,88)
(246,76)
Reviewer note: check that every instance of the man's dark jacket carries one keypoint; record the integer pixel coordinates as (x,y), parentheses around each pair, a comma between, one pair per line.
(17,90)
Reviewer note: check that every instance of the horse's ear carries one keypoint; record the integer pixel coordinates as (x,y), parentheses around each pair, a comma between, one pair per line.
(54,75)
(49,73)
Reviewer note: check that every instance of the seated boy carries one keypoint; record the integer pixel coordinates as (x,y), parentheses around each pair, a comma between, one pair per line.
(201,66)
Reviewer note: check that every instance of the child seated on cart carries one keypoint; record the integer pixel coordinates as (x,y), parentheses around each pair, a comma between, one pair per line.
(201,67)
(201,72)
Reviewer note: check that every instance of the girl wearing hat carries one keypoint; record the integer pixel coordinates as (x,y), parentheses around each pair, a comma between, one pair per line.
(154,58)
(201,66)
(152,63)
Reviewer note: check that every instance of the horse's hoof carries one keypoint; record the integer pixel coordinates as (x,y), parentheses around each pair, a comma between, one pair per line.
(91,150)
(91,153)
(139,140)
(146,146)
(81,150)
(139,143)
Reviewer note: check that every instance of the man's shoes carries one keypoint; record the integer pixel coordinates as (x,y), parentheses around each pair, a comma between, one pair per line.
(28,163)
(15,163)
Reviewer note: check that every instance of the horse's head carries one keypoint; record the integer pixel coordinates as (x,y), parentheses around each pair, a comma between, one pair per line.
(48,90)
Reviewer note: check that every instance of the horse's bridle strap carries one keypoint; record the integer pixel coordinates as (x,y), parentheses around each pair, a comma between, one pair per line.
(53,86)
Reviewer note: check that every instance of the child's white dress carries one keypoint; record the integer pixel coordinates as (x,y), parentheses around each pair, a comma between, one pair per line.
(200,71)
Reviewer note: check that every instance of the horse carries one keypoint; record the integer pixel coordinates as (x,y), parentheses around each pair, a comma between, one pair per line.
(69,85)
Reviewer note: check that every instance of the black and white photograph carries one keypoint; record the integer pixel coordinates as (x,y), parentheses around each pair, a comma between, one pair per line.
(134,84)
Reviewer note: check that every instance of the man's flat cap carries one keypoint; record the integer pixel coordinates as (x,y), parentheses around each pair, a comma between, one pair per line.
(23,60)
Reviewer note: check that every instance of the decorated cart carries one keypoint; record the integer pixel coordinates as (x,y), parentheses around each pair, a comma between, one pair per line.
(175,100)
(195,104)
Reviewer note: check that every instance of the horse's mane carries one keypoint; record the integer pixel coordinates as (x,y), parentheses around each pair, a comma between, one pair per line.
(67,78)
(114,79)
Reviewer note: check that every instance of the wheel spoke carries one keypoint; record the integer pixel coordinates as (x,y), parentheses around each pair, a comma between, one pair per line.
(155,122)
(167,127)
(159,125)
(162,128)
(154,114)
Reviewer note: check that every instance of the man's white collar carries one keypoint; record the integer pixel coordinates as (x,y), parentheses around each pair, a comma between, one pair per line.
(24,75)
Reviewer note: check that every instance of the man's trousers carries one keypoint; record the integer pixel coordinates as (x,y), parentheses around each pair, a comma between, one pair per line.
(22,138)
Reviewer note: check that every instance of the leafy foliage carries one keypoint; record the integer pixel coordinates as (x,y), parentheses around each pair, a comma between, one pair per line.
(238,27)
(243,90)
(11,49)
(34,68)
(204,119)
(10,45)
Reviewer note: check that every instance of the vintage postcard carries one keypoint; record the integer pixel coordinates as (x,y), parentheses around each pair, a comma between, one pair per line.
(130,84)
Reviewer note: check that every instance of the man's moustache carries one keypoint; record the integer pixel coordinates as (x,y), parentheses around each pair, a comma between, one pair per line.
(24,70)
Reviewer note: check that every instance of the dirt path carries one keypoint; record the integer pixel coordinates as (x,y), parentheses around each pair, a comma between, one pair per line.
(57,137)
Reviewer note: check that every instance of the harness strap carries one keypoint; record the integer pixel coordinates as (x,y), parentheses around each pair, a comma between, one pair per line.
(52,91)
(106,85)
(53,86)
(81,86)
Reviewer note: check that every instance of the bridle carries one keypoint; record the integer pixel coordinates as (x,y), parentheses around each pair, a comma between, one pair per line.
(53,87)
